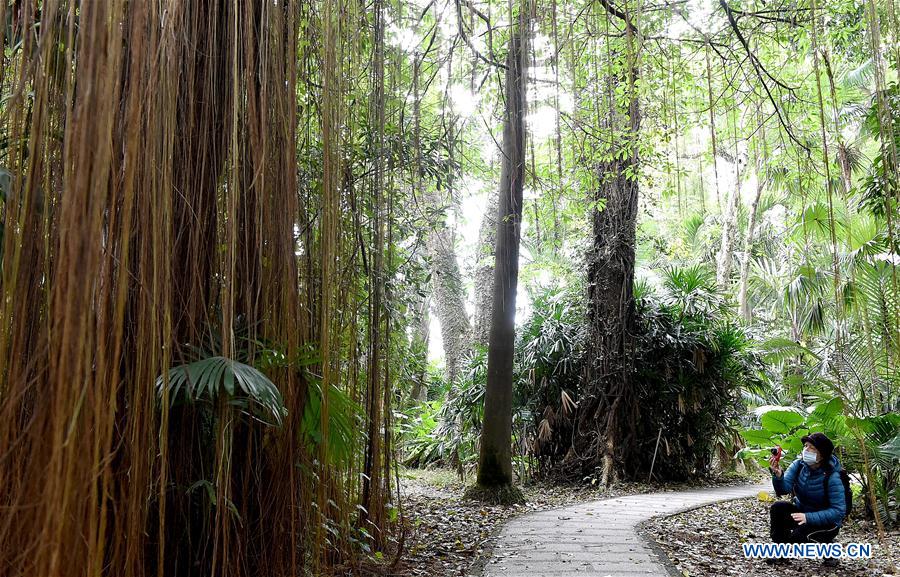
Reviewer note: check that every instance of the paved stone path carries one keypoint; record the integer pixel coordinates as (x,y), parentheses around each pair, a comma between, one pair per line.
(596,539)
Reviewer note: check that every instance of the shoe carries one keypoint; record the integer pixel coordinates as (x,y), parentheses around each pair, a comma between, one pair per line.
(830,562)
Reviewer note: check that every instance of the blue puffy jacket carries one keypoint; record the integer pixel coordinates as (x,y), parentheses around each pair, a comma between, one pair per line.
(808,486)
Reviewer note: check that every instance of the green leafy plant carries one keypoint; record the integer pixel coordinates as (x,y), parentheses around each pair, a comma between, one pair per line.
(217,378)
(692,364)
(549,366)
(785,426)
(691,291)
(445,431)
(343,421)
(420,443)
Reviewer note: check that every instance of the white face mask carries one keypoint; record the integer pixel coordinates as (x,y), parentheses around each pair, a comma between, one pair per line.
(809,457)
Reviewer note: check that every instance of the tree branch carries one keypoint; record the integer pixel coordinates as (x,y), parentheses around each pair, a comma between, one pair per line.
(618,13)
(759,69)
(465,37)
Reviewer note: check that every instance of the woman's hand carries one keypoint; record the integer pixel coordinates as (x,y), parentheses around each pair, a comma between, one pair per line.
(775,467)
(799,517)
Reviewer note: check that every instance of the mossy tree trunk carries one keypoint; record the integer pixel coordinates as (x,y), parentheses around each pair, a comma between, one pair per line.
(484,273)
(448,292)
(608,409)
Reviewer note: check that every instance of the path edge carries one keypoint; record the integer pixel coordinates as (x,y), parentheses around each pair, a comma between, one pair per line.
(665,561)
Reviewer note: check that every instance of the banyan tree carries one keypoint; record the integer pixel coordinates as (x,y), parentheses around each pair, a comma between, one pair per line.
(186,326)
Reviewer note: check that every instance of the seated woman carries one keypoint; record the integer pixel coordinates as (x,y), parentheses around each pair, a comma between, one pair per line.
(813,515)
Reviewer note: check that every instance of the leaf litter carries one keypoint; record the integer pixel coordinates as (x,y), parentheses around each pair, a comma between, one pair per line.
(706,542)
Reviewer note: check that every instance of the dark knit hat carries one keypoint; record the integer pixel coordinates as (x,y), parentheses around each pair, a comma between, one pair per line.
(822,443)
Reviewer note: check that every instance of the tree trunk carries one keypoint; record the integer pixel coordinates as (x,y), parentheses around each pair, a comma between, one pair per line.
(495,459)
(448,291)
(761,175)
(419,347)
(484,272)
(843,157)
(725,258)
(607,410)
(748,249)
(611,302)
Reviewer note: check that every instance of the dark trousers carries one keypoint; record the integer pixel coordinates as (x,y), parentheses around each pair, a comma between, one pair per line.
(784,529)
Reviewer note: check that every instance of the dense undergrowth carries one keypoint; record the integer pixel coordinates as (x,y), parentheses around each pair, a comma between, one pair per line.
(692,362)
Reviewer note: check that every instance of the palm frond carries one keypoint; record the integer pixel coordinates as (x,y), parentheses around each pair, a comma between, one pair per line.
(213,378)
(860,77)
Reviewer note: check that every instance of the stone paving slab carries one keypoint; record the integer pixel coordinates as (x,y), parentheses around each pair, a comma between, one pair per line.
(596,539)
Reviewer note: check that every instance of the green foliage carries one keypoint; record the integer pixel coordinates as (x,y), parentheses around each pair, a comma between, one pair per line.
(691,293)
(445,431)
(549,367)
(459,423)
(785,426)
(216,379)
(781,421)
(420,445)
(344,418)
(692,362)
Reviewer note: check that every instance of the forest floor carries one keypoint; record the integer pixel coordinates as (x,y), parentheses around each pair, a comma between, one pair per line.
(705,542)
(448,536)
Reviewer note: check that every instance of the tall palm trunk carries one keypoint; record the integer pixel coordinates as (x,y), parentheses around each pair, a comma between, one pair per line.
(495,459)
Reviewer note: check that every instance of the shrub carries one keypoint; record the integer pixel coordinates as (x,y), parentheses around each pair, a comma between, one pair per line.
(691,363)
(549,367)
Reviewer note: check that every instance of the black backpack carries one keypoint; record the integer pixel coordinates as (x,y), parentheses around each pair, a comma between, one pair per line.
(848,494)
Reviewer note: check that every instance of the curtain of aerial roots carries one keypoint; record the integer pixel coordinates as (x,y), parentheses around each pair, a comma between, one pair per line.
(345,229)
(153,205)
(374,477)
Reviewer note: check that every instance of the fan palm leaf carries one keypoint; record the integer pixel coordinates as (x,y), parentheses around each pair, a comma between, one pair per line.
(212,378)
